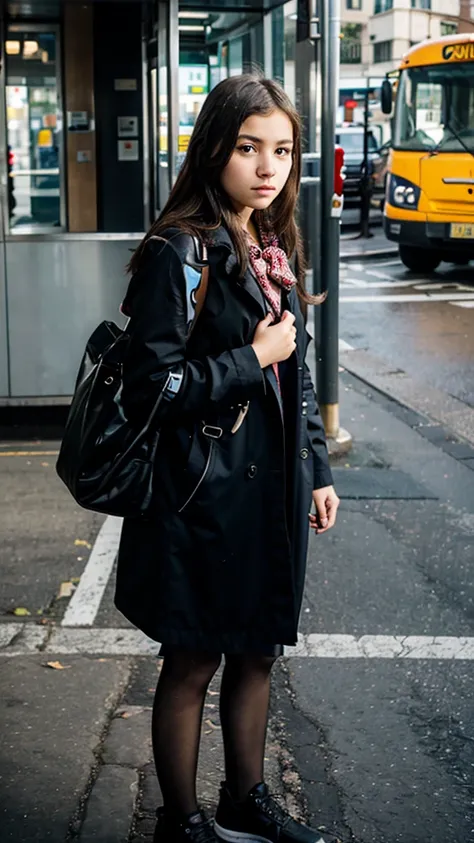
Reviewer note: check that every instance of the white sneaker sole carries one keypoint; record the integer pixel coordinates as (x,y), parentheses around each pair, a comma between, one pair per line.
(242,837)
(238,836)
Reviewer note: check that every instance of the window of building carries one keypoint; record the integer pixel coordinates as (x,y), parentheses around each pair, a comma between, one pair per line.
(34,130)
(284,25)
(448,27)
(382,6)
(356,5)
(351,44)
(421,4)
(383,51)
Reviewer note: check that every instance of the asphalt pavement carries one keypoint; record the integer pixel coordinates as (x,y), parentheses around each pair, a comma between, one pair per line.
(372,725)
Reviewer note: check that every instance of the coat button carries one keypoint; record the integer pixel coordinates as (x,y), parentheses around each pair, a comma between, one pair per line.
(304,403)
(251,471)
(304,453)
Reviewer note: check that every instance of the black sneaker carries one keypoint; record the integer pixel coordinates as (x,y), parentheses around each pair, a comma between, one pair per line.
(195,828)
(259,818)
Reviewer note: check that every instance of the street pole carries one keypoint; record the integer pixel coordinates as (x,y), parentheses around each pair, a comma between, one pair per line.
(327,360)
(366,184)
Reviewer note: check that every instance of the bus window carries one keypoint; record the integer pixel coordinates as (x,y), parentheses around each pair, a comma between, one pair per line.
(435,104)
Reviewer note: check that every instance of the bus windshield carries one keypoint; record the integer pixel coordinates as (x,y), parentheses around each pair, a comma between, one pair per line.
(435,108)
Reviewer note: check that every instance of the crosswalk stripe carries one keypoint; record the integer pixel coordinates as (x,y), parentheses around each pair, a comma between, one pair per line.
(374,285)
(376,274)
(86,600)
(344,346)
(403,298)
(21,639)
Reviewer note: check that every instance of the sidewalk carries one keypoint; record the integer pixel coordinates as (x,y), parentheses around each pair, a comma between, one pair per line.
(354,248)
(76,763)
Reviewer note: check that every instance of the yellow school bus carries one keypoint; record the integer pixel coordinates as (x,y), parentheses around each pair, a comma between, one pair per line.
(429,205)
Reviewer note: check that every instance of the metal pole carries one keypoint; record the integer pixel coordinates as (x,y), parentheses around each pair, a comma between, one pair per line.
(173,88)
(366,178)
(328,363)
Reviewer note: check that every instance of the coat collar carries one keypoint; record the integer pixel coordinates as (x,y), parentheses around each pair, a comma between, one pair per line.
(220,238)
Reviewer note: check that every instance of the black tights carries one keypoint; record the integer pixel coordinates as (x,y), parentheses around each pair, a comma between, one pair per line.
(177,715)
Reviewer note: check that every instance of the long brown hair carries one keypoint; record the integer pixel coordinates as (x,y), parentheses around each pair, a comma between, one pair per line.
(198,203)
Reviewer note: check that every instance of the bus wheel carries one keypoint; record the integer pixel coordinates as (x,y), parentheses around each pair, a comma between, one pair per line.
(418,260)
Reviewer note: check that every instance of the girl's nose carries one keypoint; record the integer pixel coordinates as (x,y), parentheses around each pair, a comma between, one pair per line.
(266,168)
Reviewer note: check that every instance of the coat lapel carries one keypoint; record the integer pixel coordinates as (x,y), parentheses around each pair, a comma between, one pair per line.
(251,288)
(220,238)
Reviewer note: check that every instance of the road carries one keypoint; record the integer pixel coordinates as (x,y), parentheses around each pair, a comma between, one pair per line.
(385,745)
(421,325)
(373,712)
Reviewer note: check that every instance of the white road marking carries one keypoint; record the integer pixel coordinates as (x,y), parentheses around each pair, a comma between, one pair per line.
(404,298)
(357,267)
(383,647)
(376,274)
(462,303)
(448,285)
(85,602)
(344,346)
(374,285)
(20,639)
(353,282)
(390,263)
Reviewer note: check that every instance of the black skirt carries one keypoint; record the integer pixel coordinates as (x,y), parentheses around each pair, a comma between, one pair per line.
(274,650)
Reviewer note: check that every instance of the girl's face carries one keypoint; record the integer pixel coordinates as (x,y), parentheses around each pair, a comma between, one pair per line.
(260,163)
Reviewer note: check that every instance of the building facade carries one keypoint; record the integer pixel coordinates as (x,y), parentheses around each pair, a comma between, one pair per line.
(375,34)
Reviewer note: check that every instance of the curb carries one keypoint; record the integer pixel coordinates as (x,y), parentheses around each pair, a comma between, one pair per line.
(372,255)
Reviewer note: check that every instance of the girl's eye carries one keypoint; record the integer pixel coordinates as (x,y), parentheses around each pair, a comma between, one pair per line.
(283,149)
(246,147)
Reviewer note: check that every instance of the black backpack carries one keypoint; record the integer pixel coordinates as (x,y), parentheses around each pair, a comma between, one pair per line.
(106,464)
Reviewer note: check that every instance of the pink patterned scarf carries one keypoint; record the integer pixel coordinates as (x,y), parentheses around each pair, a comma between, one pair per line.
(270,264)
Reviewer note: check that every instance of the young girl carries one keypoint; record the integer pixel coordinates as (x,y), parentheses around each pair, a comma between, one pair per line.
(219,569)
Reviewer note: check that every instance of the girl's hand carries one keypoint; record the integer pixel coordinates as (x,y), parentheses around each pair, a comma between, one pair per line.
(326,504)
(274,343)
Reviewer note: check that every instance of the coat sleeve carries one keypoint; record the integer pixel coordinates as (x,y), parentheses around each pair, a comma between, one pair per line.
(155,365)
(317,437)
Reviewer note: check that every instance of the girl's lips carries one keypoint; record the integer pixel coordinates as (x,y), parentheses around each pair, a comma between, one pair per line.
(264,189)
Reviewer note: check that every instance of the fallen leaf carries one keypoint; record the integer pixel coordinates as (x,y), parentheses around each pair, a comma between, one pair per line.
(57,665)
(20,611)
(45,464)
(125,715)
(82,543)
(66,589)
(211,724)
(76,580)
(213,693)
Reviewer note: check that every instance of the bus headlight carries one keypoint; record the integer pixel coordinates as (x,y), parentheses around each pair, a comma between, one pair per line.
(403,193)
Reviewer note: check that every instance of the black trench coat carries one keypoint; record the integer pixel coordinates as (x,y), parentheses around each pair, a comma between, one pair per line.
(221,565)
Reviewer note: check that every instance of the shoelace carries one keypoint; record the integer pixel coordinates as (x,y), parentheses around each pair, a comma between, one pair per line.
(272,809)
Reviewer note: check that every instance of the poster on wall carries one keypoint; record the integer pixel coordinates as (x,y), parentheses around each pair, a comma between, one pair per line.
(128,150)
(127,127)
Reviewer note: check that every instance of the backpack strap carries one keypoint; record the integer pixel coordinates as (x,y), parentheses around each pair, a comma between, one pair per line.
(193,253)
(201,291)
